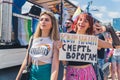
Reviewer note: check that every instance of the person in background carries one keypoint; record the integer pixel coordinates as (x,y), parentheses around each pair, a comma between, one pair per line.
(109,53)
(69,29)
(44,52)
(83,70)
(101,53)
(108,28)
(68,25)
(116,62)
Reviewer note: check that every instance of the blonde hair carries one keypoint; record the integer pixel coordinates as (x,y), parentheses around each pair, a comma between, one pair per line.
(54,35)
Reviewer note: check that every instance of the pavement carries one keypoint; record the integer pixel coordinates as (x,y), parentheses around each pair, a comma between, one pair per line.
(11,73)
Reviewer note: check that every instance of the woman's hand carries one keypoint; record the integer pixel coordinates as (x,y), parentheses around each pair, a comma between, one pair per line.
(100,28)
(59,44)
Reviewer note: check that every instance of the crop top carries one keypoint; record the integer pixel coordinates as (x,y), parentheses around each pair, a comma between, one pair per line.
(76,63)
(41,50)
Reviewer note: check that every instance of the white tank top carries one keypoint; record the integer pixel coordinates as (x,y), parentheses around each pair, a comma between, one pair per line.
(41,50)
(116,52)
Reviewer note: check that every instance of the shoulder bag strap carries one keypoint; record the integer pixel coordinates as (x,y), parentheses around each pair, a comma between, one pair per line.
(29,50)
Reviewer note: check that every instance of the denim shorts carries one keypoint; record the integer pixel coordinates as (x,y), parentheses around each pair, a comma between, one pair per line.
(116,59)
(101,62)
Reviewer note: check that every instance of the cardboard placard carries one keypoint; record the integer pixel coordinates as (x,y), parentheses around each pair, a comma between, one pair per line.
(76,47)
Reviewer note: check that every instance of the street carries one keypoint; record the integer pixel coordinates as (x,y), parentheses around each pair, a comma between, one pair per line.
(11,73)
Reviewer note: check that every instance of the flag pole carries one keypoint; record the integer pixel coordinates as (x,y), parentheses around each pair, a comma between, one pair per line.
(88,6)
(61,15)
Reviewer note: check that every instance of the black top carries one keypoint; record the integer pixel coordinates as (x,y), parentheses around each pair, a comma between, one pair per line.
(75,63)
(72,32)
(101,52)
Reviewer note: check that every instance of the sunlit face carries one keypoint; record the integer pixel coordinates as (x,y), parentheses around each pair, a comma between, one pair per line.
(83,23)
(45,22)
(68,24)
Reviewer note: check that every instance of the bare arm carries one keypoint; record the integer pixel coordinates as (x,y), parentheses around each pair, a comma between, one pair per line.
(110,29)
(104,44)
(22,68)
(55,62)
(23,64)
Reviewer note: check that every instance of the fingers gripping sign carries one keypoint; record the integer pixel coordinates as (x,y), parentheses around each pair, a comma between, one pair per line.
(59,44)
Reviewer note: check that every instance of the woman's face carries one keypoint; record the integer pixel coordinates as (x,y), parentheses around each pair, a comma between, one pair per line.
(83,23)
(45,22)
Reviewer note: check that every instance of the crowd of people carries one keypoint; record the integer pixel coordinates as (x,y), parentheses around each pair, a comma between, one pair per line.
(44,52)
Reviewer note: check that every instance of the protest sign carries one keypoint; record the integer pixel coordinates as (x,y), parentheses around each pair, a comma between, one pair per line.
(77,47)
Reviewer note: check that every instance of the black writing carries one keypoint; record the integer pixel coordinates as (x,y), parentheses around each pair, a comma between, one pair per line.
(71,47)
(81,56)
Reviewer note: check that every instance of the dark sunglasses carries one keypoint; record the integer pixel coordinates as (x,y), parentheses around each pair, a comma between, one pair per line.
(67,22)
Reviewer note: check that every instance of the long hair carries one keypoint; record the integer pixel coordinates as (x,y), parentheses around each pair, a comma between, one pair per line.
(54,30)
(90,19)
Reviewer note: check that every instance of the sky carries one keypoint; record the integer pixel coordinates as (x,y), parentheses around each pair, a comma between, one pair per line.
(108,9)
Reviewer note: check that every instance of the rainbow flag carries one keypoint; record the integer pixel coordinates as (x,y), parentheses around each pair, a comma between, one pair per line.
(77,12)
